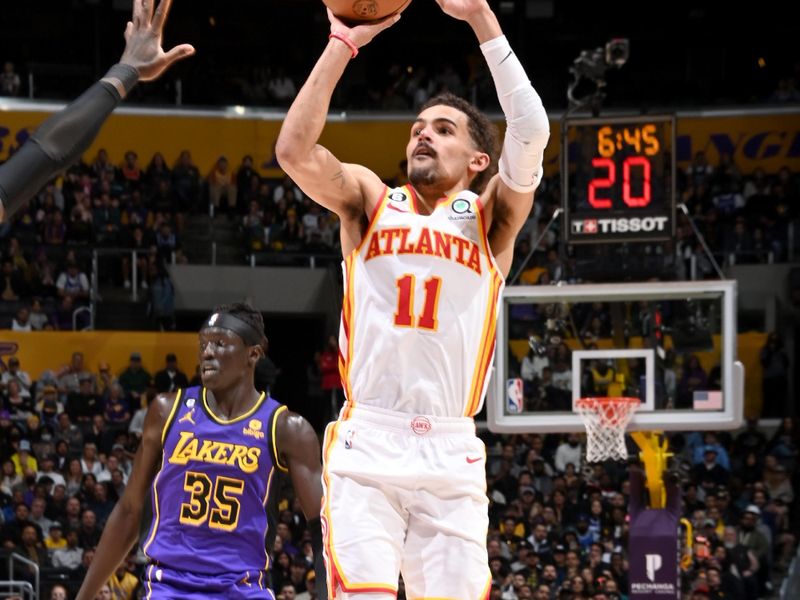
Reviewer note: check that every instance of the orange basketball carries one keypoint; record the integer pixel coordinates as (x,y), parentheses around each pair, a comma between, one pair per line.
(354,11)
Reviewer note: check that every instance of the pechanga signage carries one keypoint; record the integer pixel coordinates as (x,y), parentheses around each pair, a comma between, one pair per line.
(653,545)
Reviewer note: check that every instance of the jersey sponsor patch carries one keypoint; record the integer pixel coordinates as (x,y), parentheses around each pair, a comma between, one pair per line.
(461,209)
(253,429)
(461,206)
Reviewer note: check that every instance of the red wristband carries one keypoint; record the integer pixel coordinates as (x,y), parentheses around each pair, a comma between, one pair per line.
(345,40)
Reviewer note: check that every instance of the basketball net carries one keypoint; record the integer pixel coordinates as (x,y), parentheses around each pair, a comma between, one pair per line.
(605,420)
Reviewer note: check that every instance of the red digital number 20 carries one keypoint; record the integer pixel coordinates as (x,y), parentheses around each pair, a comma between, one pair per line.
(599,183)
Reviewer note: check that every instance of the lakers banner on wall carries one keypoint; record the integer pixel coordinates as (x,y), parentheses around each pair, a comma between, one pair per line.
(768,139)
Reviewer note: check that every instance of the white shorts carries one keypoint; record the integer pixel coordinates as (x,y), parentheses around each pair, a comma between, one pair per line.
(405,494)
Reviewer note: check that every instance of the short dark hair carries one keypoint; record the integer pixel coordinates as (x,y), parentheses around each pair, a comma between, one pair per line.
(482,132)
(245,312)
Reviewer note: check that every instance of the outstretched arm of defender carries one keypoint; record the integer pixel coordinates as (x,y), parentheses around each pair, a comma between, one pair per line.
(336,186)
(122,528)
(62,139)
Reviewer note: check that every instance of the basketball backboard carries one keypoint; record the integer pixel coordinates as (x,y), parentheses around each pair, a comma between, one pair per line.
(670,344)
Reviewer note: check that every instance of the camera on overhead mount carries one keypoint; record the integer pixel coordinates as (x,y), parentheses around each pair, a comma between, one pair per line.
(590,64)
(593,64)
(589,73)
(618,51)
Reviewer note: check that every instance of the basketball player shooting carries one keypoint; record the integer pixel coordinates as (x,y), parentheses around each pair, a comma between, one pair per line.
(208,456)
(404,473)
(64,137)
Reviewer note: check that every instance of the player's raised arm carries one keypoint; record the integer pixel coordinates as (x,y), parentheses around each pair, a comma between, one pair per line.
(527,131)
(122,528)
(62,138)
(336,186)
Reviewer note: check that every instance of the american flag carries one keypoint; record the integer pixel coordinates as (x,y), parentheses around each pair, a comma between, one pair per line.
(706,400)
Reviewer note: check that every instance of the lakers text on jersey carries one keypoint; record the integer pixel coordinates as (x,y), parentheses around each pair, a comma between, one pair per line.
(210,494)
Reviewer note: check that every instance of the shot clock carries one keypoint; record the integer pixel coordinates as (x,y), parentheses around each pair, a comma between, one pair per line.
(620,184)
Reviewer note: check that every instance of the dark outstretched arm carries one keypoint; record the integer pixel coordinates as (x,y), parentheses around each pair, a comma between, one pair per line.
(62,138)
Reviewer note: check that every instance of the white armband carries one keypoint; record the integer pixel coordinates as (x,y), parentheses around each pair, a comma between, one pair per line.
(527,126)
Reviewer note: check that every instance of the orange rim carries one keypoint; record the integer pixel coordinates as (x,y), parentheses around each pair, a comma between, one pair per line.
(610,410)
(600,401)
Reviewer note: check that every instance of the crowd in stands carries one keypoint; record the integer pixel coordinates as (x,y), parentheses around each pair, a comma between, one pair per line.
(67,442)
(558,525)
(46,248)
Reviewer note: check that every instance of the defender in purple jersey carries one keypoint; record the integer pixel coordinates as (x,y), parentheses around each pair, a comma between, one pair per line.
(209,455)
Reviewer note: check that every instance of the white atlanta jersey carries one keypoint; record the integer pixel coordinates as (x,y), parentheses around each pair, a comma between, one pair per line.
(420,308)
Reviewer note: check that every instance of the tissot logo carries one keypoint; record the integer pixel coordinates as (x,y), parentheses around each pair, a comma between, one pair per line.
(398,197)
(621,225)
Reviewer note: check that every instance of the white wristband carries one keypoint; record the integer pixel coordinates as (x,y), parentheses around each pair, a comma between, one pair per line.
(528,128)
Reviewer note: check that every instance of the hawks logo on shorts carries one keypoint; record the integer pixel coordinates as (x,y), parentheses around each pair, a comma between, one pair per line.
(427,282)
(420,425)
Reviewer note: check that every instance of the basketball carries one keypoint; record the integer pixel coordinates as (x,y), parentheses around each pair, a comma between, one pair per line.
(355,11)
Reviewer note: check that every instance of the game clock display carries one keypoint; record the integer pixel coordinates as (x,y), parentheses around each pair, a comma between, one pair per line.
(620,184)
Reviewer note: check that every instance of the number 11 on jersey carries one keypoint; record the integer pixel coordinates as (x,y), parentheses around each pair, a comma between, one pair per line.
(406,290)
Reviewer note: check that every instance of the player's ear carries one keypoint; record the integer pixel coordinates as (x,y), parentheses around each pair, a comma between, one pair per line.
(255,354)
(480,162)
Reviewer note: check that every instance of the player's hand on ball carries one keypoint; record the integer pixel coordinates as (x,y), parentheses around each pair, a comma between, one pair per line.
(143,35)
(462,9)
(361,35)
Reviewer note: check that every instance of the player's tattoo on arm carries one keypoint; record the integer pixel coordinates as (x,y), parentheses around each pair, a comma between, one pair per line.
(339,177)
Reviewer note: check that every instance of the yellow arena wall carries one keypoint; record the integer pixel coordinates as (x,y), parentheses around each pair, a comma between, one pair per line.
(769,141)
(50,350)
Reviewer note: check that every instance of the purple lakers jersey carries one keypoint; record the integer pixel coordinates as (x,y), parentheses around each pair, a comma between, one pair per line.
(210,494)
